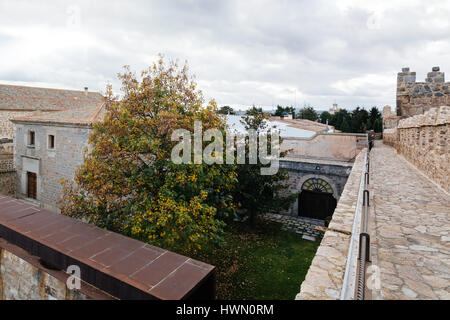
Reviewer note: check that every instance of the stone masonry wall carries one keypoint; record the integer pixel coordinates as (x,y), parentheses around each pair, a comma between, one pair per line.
(326,146)
(22,277)
(390,120)
(300,171)
(53,165)
(424,141)
(8,183)
(7,174)
(415,98)
(6,163)
(325,277)
(6,126)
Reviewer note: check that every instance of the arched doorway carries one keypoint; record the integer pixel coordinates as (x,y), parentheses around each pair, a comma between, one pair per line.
(316,199)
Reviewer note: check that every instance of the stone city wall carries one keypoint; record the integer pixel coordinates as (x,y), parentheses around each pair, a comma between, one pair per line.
(390,119)
(325,277)
(22,277)
(415,98)
(424,141)
(7,174)
(8,183)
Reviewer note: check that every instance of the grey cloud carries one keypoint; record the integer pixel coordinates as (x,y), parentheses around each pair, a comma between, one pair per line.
(243,52)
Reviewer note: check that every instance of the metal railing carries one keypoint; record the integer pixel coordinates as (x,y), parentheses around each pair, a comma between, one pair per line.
(364,237)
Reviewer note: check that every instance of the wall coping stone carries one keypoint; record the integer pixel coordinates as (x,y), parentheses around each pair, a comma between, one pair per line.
(123,267)
(434,116)
(86,289)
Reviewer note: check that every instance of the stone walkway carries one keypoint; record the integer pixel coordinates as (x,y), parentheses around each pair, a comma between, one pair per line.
(300,225)
(410,227)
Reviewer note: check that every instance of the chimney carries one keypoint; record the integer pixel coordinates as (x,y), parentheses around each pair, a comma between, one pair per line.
(86,90)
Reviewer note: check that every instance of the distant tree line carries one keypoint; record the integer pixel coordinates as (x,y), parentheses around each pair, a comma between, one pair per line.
(357,121)
(226,110)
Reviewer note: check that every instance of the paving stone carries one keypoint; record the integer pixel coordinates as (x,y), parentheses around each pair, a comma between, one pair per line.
(408,292)
(310,238)
(412,222)
(299,225)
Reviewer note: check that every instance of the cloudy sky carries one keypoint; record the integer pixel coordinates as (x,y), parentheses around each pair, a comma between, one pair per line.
(242,52)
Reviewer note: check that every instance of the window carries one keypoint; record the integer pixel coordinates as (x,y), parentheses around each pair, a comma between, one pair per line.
(317,185)
(31,138)
(51,141)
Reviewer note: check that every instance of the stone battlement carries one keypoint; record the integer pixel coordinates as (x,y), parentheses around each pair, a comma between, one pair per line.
(415,98)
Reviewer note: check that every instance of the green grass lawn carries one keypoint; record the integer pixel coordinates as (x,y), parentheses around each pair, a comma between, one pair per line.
(260,263)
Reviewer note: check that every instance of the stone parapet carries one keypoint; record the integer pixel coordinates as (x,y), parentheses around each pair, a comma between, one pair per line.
(390,136)
(119,266)
(23,277)
(424,141)
(390,120)
(325,277)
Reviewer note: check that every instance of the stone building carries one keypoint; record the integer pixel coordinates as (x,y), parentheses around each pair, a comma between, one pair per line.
(334,108)
(19,101)
(49,148)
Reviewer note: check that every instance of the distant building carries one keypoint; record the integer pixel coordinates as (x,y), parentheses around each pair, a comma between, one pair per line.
(334,108)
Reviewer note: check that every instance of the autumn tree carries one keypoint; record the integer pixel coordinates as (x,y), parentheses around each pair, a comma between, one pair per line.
(128,182)
(257,193)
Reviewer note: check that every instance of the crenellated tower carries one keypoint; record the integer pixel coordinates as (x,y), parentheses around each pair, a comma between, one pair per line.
(415,98)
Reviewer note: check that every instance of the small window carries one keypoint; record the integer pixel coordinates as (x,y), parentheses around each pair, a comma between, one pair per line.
(31,138)
(51,141)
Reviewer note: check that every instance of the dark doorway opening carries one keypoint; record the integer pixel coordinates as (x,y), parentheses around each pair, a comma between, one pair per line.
(31,185)
(317,205)
(316,200)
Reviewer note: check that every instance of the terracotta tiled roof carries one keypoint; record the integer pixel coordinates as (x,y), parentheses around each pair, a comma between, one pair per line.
(32,98)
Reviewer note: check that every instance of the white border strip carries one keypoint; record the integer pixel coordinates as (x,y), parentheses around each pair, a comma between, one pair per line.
(348,285)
